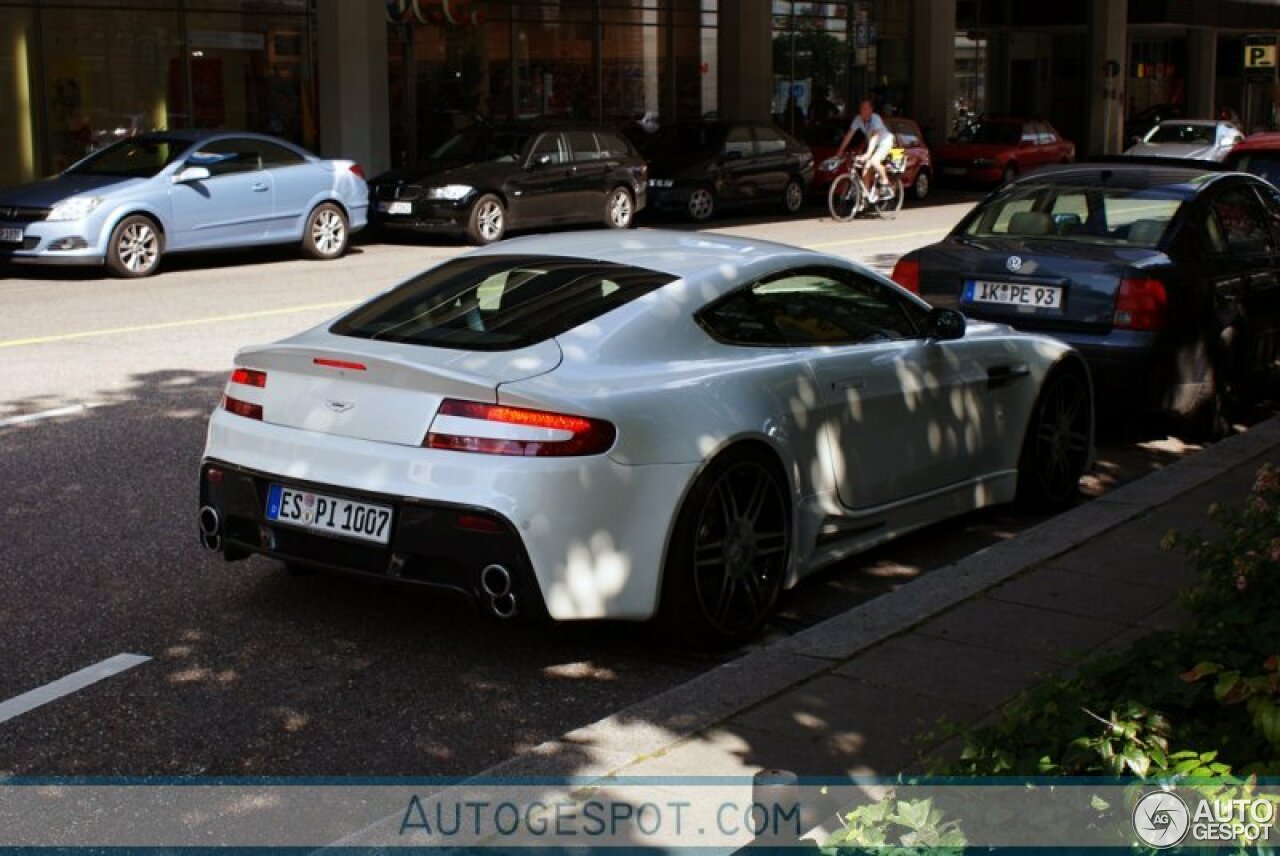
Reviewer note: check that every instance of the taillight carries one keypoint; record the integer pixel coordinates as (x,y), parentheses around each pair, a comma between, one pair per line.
(345,365)
(1141,304)
(906,273)
(249,377)
(495,429)
(357,171)
(248,409)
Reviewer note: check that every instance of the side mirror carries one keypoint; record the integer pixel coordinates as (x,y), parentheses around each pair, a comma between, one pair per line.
(188,174)
(540,160)
(944,324)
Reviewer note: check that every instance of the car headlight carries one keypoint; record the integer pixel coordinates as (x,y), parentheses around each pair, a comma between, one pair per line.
(831,164)
(452,192)
(985,162)
(75,208)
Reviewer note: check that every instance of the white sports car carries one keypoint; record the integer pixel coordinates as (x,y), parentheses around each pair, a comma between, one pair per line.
(622,425)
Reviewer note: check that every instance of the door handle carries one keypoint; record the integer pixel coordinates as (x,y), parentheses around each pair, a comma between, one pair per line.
(261,187)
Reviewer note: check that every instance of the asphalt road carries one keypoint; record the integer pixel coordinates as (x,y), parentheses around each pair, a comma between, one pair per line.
(254,672)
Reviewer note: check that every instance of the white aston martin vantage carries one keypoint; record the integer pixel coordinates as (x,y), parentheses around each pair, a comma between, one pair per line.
(633,424)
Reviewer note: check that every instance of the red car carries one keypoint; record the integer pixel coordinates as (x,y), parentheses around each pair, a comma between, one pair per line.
(996,149)
(1258,154)
(824,140)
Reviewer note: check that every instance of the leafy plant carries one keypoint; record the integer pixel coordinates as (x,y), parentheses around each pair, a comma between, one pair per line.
(894,827)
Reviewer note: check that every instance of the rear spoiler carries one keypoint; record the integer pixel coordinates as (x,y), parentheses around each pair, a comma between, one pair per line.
(1148,160)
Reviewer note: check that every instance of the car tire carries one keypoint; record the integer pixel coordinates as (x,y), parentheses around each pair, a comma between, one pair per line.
(487,222)
(1010,174)
(729,553)
(1055,448)
(619,209)
(135,247)
(922,185)
(793,196)
(326,233)
(702,204)
(1206,419)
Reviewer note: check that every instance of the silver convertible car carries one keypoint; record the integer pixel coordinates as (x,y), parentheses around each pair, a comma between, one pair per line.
(623,425)
(131,202)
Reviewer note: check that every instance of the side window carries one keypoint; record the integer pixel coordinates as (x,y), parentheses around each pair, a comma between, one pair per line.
(769,141)
(548,149)
(612,145)
(227,157)
(1046,135)
(583,146)
(1029,133)
(274,155)
(1270,205)
(739,140)
(811,307)
(1241,219)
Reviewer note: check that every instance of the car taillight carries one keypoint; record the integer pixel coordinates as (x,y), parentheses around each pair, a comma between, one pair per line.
(357,171)
(1141,304)
(906,273)
(244,377)
(495,429)
(249,377)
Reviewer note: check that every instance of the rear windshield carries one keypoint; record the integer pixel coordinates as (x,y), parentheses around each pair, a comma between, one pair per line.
(1178,132)
(1263,164)
(1085,214)
(498,303)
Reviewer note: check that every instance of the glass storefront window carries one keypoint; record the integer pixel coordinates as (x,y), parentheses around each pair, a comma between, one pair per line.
(616,61)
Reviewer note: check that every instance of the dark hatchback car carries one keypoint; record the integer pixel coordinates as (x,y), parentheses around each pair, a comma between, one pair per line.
(1167,279)
(699,168)
(491,178)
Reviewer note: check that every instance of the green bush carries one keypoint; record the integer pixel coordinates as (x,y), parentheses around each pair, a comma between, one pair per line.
(1201,703)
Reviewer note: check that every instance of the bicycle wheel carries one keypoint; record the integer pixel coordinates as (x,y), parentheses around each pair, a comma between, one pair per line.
(845,198)
(891,204)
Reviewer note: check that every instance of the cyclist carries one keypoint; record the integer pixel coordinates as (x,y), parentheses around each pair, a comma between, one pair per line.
(879,139)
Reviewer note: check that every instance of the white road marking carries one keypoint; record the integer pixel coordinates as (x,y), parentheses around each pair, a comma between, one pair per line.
(65,686)
(70,410)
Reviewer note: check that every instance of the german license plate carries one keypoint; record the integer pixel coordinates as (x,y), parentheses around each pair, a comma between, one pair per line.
(395,207)
(1014,294)
(336,516)
(11,236)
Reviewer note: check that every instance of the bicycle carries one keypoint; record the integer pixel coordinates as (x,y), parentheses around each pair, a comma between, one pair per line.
(850,193)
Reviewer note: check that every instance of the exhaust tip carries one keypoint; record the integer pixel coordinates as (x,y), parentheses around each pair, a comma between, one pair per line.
(496,582)
(210,523)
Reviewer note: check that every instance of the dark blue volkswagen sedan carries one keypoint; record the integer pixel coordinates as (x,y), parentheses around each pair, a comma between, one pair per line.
(1166,278)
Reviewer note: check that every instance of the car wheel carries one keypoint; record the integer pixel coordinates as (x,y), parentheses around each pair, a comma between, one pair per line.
(702,204)
(922,185)
(326,234)
(729,552)
(1055,450)
(135,248)
(619,209)
(1205,417)
(1010,174)
(488,220)
(793,196)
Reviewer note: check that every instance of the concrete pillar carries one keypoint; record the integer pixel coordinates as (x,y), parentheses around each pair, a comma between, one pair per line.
(1202,72)
(1108,42)
(745,57)
(354,104)
(933,23)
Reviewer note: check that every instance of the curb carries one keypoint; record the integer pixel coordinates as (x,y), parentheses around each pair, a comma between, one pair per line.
(652,726)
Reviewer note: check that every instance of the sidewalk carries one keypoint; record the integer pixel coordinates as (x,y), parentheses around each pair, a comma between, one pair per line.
(852,695)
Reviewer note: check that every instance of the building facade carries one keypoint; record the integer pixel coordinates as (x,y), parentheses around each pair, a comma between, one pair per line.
(385,81)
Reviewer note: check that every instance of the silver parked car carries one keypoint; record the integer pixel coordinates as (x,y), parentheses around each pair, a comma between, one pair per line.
(130,203)
(1193,139)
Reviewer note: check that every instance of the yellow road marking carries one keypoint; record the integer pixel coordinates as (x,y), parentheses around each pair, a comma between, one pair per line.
(170,325)
(874,238)
(341,304)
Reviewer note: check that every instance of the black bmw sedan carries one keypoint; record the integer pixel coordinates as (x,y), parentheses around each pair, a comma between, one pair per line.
(699,168)
(520,175)
(1166,278)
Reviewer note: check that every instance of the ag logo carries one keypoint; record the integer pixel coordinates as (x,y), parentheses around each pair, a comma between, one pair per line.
(1014,263)
(1161,819)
